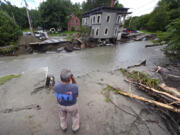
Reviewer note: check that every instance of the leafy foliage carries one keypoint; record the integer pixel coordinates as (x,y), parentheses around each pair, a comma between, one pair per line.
(18,14)
(141,78)
(36,18)
(165,12)
(85,30)
(54,13)
(8,49)
(164,21)
(90,4)
(77,10)
(9,30)
(173,38)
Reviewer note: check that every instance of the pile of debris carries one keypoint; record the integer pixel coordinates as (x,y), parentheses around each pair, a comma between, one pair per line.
(145,37)
(165,97)
(138,36)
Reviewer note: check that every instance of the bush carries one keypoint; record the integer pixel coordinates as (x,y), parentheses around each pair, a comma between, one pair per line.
(85,30)
(9,30)
(73,29)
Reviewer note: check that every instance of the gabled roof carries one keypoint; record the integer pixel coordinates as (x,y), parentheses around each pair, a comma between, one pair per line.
(99,10)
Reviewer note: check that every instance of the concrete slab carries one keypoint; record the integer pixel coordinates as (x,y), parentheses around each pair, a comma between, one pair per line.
(97,116)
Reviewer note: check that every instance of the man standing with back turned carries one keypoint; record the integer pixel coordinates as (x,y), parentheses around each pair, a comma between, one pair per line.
(66,94)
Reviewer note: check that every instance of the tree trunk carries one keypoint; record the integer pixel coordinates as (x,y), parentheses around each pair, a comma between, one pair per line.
(170,90)
(156,91)
(159,104)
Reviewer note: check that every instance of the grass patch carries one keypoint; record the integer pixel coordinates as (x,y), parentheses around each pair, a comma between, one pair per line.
(6,78)
(8,49)
(64,32)
(146,32)
(69,38)
(141,78)
(26,30)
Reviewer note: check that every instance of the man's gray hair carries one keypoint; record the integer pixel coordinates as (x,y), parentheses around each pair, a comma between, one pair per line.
(65,75)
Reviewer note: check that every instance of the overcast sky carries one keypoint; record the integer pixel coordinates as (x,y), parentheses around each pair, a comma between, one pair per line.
(138,7)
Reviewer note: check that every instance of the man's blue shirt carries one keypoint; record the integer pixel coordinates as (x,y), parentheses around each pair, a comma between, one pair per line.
(66,94)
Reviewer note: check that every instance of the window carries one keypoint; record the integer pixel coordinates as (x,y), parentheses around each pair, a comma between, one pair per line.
(84,20)
(106,31)
(108,18)
(97,32)
(99,19)
(94,19)
(119,19)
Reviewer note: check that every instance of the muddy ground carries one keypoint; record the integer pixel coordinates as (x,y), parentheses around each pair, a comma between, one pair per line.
(97,116)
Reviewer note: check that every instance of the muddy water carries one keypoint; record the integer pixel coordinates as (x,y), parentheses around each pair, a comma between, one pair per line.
(81,62)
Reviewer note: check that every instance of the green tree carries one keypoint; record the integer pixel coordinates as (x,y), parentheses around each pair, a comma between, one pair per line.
(9,30)
(77,10)
(143,20)
(159,19)
(91,4)
(117,4)
(173,39)
(36,18)
(18,14)
(54,13)
(133,23)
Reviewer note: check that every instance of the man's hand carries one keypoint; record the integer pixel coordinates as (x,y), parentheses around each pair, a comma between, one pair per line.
(73,80)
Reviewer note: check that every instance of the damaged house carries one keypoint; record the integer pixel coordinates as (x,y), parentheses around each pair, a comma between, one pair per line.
(105,22)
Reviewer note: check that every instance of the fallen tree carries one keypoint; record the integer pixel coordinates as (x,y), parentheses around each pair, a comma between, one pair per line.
(170,90)
(143,63)
(153,102)
(155,91)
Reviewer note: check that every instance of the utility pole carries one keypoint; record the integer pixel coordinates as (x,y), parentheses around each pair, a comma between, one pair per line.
(29,19)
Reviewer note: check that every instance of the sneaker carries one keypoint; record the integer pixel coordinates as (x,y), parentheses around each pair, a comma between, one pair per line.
(75,131)
(64,130)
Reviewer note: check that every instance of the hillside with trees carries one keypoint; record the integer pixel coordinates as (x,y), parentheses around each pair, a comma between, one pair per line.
(164,21)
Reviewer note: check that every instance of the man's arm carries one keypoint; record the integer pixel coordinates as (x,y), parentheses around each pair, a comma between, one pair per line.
(73,79)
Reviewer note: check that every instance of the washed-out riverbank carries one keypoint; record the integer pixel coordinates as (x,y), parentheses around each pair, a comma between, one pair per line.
(93,68)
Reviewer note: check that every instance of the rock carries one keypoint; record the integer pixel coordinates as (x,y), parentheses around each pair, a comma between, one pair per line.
(68,49)
(60,49)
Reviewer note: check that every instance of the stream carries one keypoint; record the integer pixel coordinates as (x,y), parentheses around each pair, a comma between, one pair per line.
(87,60)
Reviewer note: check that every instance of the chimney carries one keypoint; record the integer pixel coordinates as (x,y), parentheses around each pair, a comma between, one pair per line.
(112,3)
